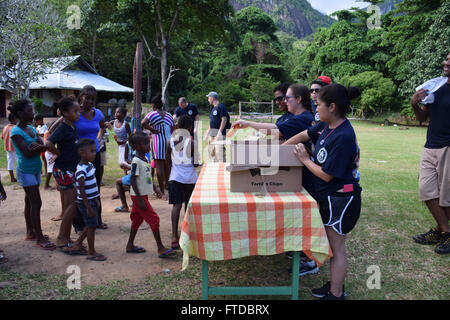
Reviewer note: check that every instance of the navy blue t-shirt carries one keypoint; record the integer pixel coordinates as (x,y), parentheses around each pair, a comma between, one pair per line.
(295,124)
(337,153)
(438,134)
(289,128)
(65,138)
(286,116)
(190,110)
(314,111)
(215,118)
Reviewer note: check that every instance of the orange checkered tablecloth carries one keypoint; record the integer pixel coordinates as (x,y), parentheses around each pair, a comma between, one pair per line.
(222,225)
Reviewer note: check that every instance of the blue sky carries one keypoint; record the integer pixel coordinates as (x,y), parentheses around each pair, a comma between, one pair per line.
(330,6)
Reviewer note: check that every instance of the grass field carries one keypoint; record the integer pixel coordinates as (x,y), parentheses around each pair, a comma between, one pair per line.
(391,215)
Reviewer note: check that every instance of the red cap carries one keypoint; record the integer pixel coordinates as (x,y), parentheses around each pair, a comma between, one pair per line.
(324,79)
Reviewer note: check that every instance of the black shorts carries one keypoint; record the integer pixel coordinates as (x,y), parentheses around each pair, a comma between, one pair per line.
(179,192)
(90,222)
(341,211)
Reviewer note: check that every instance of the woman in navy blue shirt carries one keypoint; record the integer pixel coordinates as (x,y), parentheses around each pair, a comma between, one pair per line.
(298,101)
(334,166)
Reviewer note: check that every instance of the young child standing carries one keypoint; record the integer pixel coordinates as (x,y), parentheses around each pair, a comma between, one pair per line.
(28,146)
(334,166)
(141,187)
(9,148)
(183,176)
(87,199)
(65,138)
(122,133)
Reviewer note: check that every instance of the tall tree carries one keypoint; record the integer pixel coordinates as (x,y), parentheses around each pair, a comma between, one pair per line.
(175,18)
(31,36)
(429,54)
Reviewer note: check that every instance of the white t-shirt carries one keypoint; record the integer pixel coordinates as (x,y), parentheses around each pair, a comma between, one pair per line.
(183,170)
(141,169)
(41,129)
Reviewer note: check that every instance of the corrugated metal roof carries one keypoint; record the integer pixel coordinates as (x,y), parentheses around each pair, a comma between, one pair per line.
(60,76)
(76,80)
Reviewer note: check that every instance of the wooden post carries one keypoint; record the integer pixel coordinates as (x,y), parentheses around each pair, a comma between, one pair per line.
(137,86)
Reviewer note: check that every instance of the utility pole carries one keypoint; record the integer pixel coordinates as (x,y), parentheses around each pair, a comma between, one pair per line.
(137,86)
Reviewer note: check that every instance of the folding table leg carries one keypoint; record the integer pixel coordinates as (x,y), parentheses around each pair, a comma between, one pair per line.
(204,280)
(295,272)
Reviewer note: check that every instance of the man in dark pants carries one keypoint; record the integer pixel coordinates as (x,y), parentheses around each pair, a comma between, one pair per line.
(219,122)
(434,174)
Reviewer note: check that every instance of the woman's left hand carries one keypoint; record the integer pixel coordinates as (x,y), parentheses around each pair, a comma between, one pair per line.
(301,153)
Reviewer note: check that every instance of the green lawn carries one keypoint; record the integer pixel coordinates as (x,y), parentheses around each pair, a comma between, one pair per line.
(390,216)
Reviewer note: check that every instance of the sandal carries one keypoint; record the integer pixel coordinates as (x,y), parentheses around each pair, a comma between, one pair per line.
(46,245)
(75,252)
(58,218)
(102,226)
(121,209)
(97,257)
(137,249)
(169,253)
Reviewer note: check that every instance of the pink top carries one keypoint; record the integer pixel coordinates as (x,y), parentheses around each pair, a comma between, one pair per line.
(6,136)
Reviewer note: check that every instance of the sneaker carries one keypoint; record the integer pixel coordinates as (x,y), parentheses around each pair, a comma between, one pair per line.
(330,296)
(444,245)
(323,291)
(307,267)
(431,237)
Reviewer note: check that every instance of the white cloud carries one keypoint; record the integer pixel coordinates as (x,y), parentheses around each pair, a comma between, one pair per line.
(330,6)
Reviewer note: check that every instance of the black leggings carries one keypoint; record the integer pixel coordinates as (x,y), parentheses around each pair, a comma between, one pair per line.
(78,222)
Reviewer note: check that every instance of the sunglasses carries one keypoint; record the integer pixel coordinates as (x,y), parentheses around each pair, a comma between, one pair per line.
(278,99)
(314,90)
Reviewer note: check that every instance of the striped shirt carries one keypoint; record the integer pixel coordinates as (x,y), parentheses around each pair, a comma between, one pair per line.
(163,125)
(87,171)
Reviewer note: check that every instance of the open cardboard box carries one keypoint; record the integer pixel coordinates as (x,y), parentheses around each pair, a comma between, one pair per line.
(264,166)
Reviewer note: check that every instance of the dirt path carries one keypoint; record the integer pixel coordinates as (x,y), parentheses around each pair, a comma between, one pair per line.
(25,257)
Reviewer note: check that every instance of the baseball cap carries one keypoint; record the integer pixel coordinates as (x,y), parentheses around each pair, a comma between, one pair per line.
(324,79)
(213,94)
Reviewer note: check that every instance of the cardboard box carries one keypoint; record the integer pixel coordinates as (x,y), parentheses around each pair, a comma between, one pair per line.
(255,164)
(263,153)
(287,179)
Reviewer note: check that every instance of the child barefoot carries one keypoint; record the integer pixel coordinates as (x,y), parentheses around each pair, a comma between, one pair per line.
(87,200)
(180,151)
(141,187)
(28,146)
(122,185)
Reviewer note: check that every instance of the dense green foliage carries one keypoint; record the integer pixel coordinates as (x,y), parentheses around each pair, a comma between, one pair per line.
(243,56)
(400,55)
